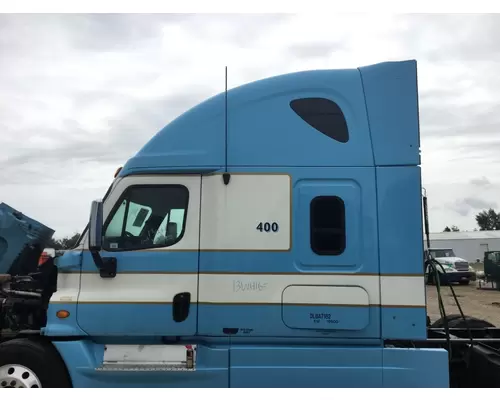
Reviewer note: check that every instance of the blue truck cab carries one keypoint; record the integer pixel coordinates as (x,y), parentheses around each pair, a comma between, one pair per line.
(271,236)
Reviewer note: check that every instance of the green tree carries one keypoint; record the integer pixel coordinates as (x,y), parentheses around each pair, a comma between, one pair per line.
(488,220)
(65,243)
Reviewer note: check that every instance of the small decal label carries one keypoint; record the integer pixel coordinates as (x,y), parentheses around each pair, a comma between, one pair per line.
(249,286)
(318,317)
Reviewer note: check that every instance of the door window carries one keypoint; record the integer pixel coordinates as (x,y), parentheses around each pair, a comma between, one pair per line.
(147,217)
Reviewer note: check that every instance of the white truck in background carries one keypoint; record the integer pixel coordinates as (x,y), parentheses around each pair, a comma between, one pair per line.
(456,269)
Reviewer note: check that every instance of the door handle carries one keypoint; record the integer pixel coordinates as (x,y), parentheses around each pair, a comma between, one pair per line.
(180,306)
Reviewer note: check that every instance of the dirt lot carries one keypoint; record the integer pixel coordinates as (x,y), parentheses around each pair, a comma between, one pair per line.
(474,302)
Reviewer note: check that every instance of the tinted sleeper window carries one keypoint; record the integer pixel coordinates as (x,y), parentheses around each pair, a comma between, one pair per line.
(328,235)
(323,115)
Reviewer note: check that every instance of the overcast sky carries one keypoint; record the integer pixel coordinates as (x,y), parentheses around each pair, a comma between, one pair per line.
(80,94)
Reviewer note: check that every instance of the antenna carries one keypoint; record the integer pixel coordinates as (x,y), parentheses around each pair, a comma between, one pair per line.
(226,177)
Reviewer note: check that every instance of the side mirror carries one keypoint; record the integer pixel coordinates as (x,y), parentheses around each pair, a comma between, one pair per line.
(95,226)
(107,265)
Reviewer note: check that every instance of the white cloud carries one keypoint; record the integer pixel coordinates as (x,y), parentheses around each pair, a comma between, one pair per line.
(80,94)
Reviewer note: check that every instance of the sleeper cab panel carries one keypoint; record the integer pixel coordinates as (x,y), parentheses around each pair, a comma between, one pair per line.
(311,367)
(400,220)
(350,193)
(392,103)
(326,307)
(356,187)
(342,367)
(413,368)
(401,251)
(279,135)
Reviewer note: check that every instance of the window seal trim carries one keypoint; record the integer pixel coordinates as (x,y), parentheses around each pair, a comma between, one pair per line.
(142,186)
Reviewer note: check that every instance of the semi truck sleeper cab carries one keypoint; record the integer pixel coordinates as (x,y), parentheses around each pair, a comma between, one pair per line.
(271,236)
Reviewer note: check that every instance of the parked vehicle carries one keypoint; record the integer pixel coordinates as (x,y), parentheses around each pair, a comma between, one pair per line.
(452,269)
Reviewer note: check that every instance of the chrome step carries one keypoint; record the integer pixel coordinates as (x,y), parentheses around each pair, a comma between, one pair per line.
(119,367)
(148,358)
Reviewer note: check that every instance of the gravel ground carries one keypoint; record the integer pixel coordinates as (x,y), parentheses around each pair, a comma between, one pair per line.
(475,302)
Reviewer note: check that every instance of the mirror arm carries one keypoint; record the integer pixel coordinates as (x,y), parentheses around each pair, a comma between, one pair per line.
(105,265)
(97,259)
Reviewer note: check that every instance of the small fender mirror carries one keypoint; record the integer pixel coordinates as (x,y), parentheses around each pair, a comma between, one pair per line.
(95,226)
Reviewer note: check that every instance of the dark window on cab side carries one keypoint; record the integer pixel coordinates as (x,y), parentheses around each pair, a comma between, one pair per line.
(147,216)
(328,233)
(324,115)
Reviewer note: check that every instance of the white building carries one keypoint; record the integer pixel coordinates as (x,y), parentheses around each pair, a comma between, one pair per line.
(468,245)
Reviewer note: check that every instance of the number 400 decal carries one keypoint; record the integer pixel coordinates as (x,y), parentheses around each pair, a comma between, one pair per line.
(268,227)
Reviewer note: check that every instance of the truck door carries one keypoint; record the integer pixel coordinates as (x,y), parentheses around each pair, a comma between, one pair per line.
(151,229)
